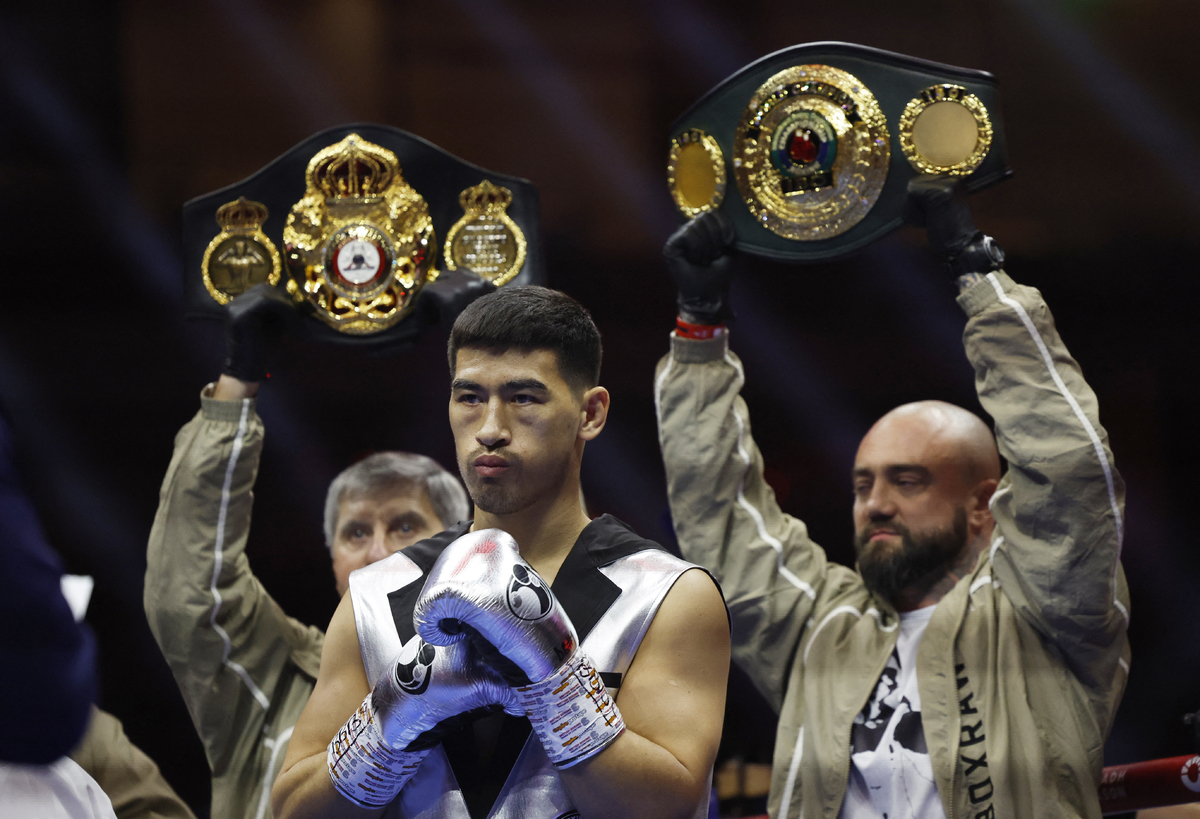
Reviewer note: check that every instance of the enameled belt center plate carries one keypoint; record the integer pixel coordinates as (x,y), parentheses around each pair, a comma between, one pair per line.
(811,152)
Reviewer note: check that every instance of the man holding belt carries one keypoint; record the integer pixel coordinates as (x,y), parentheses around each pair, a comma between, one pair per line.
(972,665)
(244,667)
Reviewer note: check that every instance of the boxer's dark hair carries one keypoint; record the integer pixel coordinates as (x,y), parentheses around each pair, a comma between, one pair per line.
(533,318)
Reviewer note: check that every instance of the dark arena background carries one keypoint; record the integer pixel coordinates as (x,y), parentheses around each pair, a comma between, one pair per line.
(114,114)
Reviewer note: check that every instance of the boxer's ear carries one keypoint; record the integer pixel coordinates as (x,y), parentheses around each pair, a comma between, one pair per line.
(594,408)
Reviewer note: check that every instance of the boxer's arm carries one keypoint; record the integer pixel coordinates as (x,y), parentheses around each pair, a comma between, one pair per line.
(672,700)
(303,788)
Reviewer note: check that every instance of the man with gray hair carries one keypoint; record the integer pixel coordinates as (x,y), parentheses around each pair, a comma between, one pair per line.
(376,506)
(244,667)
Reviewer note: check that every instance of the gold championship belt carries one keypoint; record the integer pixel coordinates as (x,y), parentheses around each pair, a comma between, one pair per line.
(359,212)
(820,141)
(359,245)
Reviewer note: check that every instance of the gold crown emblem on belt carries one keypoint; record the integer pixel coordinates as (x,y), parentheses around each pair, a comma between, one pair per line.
(485,240)
(360,244)
(241,255)
(242,214)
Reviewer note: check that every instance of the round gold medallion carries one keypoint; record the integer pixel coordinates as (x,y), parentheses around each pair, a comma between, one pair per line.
(358,261)
(696,172)
(945,129)
(811,152)
(241,255)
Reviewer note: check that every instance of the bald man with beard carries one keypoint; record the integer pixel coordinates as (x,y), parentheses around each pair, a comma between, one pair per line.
(972,663)
(949,453)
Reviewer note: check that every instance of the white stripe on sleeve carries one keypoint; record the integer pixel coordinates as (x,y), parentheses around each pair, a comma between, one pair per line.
(219,558)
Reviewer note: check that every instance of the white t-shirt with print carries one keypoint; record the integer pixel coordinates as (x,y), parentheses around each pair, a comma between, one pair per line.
(890,773)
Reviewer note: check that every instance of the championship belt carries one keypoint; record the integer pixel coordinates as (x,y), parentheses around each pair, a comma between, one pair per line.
(351,223)
(809,150)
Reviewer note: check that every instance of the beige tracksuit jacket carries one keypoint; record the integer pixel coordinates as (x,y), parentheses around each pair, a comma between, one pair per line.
(244,667)
(1023,663)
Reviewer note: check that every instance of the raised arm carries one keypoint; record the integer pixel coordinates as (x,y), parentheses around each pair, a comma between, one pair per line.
(226,640)
(725,514)
(1059,509)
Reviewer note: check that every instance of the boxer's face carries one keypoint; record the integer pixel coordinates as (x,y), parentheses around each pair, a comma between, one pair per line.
(370,527)
(518,427)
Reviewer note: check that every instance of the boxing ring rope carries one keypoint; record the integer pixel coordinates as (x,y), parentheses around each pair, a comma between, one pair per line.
(1139,785)
(1151,784)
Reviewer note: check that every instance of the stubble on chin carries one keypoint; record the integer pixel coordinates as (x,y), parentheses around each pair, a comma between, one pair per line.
(494,498)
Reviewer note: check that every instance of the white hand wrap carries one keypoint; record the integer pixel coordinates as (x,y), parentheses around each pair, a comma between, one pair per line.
(572,712)
(363,767)
(426,693)
(481,581)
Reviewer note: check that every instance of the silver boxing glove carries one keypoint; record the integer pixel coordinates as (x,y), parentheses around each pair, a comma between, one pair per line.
(428,692)
(480,587)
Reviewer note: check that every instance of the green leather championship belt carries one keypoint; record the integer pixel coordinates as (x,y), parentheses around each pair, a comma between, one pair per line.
(809,150)
(357,224)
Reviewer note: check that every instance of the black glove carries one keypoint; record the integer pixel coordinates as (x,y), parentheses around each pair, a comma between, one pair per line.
(701,262)
(939,204)
(254,323)
(451,293)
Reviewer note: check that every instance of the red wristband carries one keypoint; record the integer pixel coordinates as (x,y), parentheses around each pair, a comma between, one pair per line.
(685,329)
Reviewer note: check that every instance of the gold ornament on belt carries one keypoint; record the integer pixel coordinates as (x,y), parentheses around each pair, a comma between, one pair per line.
(696,172)
(360,244)
(945,129)
(241,255)
(811,152)
(485,240)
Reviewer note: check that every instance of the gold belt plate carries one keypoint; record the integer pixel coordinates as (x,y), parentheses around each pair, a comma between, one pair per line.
(360,245)
(811,152)
(485,240)
(241,255)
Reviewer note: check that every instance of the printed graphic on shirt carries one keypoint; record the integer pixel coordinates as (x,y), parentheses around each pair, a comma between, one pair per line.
(888,751)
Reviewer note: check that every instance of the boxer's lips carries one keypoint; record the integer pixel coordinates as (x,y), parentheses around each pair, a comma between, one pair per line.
(490,466)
